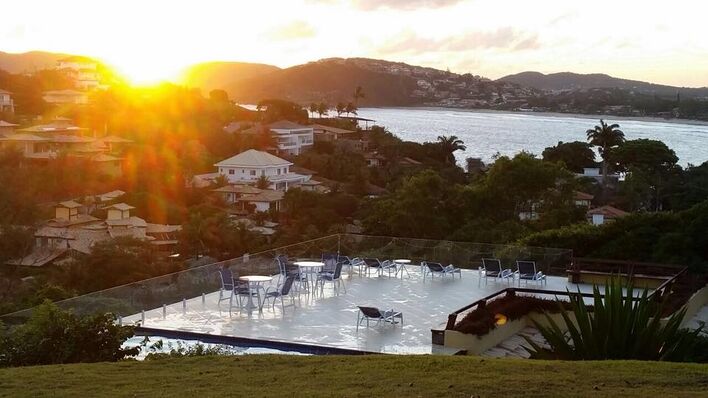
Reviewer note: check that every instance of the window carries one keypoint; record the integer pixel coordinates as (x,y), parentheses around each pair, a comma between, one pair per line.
(253,172)
(262,172)
(231,171)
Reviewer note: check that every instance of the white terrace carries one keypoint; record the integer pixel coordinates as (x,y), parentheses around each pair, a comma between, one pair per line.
(329,318)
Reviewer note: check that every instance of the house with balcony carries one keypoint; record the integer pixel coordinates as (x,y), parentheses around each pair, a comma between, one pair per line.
(290,138)
(605,214)
(329,133)
(248,166)
(7,104)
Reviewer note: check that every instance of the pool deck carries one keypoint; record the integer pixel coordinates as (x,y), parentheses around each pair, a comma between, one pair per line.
(329,318)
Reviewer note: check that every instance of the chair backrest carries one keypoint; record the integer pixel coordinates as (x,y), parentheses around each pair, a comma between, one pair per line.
(338,270)
(492,264)
(371,312)
(435,267)
(227,279)
(285,289)
(526,267)
(329,265)
(372,262)
(281,265)
(343,259)
(327,256)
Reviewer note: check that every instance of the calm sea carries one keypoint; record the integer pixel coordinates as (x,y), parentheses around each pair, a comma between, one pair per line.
(486,133)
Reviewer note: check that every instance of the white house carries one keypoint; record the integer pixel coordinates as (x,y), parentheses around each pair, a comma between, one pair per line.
(6,102)
(247,167)
(292,138)
(83,70)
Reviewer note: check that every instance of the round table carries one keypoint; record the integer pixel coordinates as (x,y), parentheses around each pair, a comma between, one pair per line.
(254,281)
(402,262)
(309,268)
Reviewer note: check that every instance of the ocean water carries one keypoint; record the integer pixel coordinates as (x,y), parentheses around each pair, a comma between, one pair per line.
(487,133)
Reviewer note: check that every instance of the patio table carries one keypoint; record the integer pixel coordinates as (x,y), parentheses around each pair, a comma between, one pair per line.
(309,269)
(254,282)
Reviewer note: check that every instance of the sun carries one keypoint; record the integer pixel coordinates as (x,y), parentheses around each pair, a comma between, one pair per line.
(146,72)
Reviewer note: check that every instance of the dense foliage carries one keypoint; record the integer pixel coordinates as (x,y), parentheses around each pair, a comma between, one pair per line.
(54,336)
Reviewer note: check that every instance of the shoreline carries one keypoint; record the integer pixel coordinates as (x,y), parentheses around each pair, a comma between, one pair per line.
(652,119)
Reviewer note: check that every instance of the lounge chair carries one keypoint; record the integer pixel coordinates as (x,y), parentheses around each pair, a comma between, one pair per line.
(334,277)
(279,292)
(369,313)
(526,270)
(433,268)
(492,268)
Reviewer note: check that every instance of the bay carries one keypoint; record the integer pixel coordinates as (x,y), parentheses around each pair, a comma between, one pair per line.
(487,133)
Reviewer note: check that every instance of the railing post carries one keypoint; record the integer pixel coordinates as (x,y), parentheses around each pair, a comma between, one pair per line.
(184,305)
(164,311)
(142,317)
(203,299)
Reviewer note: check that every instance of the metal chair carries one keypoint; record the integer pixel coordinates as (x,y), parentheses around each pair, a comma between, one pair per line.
(369,313)
(279,292)
(526,270)
(492,268)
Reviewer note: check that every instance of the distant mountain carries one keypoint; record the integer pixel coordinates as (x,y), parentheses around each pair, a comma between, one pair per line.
(213,75)
(29,61)
(567,81)
(384,83)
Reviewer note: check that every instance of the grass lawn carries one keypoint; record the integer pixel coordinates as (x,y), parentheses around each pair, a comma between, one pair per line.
(365,376)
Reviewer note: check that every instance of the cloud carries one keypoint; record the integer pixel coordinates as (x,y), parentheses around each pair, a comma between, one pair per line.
(506,38)
(292,31)
(369,5)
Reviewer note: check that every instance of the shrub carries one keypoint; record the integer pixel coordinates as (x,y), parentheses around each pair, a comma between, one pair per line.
(619,327)
(54,336)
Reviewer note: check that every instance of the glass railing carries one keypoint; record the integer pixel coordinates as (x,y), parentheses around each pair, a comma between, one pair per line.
(196,282)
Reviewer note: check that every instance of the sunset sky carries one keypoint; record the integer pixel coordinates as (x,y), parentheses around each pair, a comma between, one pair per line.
(152,39)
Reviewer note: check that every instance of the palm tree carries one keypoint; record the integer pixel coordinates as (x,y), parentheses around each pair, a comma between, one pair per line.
(605,137)
(450,145)
(358,94)
(263,182)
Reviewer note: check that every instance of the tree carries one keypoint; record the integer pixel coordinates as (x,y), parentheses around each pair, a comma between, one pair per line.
(450,145)
(350,108)
(263,182)
(575,155)
(322,109)
(313,109)
(650,165)
(605,137)
(340,108)
(276,109)
(358,94)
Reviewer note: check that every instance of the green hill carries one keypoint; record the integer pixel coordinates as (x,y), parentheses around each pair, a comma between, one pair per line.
(363,376)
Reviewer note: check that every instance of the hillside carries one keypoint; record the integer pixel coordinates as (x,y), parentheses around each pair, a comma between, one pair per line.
(385,84)
(213,75)
(356,376)
(29,61)
(576,81)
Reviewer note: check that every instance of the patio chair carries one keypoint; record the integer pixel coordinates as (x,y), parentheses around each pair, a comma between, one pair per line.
(330,261)
(492,268)
(334,277)
(526,270)
(234,287)
(388,265)
(280,292)
(356,262)
(373,313)
(372,263)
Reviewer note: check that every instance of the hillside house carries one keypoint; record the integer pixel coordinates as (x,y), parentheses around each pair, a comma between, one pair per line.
(605,214)
(248,166)
(582,199)
(7,127)
(83,71)
(290,138)
(7,104)
(246,197)
(65,97)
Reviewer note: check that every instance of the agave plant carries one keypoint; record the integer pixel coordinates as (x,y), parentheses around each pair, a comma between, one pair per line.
(618,326)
